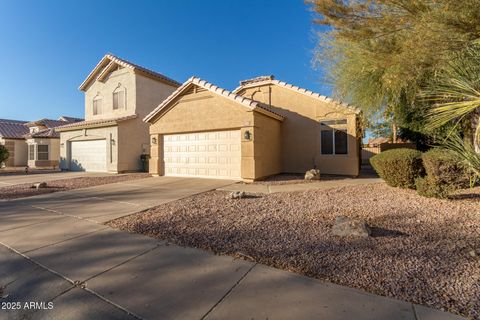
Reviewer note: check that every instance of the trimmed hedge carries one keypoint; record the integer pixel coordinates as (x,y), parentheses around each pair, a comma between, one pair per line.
(399,167)
(443,167)
(428,187)
(445,174)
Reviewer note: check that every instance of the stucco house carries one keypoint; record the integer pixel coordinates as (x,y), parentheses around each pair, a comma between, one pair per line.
(35,143)
(263,127)
(43,141)
(12,137)
(118,94)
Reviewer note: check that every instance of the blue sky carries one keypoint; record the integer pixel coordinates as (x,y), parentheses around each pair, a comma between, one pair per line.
(47,48)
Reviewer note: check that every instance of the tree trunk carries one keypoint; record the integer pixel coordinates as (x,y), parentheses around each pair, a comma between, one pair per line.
(394,131)
(475,121)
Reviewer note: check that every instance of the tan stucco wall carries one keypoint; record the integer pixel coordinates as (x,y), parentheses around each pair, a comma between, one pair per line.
(133,141)
(301,130)
(110,134)
(53,152)
(123,77)
(203,111)
(17,149)
(267,137)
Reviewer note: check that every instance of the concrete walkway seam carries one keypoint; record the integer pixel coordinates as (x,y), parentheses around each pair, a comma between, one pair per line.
(228,292)
(123,262)
(74,284)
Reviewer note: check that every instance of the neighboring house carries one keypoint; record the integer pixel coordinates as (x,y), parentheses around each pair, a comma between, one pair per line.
(12,137)
(34,143)
(263,127)
(118,94)
(44,142)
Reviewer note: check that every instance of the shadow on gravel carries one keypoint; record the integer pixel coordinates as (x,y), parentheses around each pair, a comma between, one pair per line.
(387,233)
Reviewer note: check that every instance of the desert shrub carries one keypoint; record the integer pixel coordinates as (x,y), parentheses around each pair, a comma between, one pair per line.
(3,154)
(399,167)
(443,167)
(428,187)
(445,173)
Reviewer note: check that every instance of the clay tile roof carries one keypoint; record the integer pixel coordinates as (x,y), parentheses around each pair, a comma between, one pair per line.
(94,123)
(257,79)
(70,119)
(47,133)
(12,129)
(109,58)
(264,80)
(251,104)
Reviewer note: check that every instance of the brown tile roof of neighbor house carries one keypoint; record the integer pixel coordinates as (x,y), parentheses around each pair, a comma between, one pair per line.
(50,124)
(94,123)
(12,129)
(109,61)
(249,103)
(264,80)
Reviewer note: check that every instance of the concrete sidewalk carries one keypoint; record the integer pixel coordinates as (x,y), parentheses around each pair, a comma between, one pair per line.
(55,249)
(21,178)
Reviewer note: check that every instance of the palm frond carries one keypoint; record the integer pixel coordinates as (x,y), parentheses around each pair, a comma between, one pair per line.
(464,151)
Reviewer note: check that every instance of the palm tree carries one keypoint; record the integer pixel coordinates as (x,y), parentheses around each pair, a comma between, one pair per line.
(455,94)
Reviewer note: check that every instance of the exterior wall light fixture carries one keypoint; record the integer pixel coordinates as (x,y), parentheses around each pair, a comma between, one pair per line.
(247,135)
(154,140)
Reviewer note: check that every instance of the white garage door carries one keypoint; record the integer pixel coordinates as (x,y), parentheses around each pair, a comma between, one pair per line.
(215,154)
(88,156)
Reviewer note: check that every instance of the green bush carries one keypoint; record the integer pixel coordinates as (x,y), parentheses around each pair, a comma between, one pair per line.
(3,154)
(443,167)
(428,187)
(445,174)
(399,167)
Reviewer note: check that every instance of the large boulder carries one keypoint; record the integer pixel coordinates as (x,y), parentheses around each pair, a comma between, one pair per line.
(345,226)
(312,174)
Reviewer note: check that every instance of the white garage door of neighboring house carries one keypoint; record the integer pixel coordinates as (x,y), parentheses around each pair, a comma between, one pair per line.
(88,155)
(215,154)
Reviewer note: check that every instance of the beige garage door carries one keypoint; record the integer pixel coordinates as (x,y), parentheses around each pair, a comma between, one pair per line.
(214,154)
(88,156)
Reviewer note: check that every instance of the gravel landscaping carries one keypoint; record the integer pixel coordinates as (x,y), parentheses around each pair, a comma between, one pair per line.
(422,250)
(26,190)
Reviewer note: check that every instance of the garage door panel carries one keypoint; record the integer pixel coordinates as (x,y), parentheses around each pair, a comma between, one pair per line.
(204,154)
(88,155)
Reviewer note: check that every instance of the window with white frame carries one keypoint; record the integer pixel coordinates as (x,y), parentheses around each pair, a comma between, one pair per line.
(119,99)
(42,152)
(31,152)
(97,105)
(333,137)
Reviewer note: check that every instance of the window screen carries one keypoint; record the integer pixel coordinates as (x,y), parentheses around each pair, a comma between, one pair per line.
(42,152)
(327,141)
(341,142)
(31,152)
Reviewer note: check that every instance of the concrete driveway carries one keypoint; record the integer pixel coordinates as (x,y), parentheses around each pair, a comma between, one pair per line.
(54,248)
(11,179)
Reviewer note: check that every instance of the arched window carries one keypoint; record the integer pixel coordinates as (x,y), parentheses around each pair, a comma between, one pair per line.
(119,98)
(97,105)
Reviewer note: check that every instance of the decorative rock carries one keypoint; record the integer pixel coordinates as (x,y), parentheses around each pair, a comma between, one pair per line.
(312,174)
(472,253)
(345,226)
(237,195)
(40,185)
